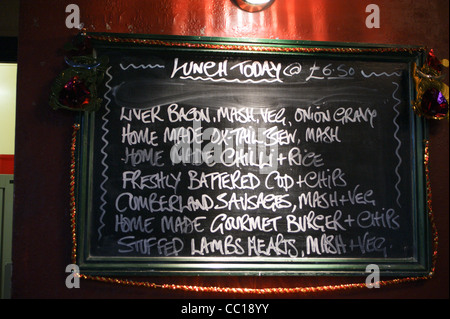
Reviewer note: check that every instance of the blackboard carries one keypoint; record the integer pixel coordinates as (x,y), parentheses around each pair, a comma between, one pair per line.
(219,156)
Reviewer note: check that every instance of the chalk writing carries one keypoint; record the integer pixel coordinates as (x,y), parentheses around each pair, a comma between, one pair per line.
(192,176)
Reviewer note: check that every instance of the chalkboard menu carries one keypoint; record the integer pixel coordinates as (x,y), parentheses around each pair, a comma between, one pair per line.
(219,156)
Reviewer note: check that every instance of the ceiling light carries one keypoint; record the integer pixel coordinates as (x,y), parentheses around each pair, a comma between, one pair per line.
(253,5)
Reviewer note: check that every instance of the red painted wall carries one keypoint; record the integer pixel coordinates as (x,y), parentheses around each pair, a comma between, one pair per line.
(42,241)
(6,164)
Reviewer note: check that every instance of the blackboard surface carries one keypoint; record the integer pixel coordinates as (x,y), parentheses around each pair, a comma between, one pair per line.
(224,161)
